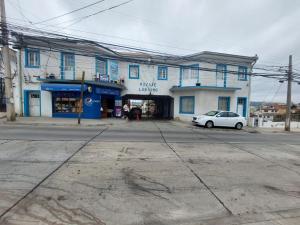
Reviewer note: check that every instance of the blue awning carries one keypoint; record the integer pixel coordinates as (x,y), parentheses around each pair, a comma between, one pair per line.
(62,87)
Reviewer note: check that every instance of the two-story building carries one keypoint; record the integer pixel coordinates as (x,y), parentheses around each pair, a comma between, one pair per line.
(165,86)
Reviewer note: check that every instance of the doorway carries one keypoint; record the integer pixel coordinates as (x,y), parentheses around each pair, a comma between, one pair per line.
(32,103)
(108,106)
(152,106)
(242,106)
(2,95)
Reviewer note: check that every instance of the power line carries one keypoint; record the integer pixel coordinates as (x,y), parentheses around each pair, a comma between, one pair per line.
(94,14)
(118,37)
(19,9)
(68,13)
(277,75)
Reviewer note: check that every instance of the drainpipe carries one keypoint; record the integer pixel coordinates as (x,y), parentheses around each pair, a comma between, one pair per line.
(20,83)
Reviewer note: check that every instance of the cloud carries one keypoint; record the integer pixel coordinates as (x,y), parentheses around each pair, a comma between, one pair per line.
(268,28)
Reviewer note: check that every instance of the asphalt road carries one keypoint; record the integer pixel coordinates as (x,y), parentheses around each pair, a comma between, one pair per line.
(147,173)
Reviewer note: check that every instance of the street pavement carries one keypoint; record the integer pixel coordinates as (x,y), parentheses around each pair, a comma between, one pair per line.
(147,172)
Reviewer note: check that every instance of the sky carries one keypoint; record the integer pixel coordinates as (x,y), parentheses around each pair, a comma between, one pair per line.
(268,28)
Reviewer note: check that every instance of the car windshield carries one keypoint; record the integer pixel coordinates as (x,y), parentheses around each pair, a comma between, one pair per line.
(211,113)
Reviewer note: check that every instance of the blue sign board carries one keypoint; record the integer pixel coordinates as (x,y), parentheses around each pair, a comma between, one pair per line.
(106,91)
(62,87)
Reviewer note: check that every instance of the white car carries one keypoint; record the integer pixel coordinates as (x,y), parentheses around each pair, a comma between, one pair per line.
(220,119)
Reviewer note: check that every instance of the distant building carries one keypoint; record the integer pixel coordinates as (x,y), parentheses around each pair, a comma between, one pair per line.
(174,86)
(275,112)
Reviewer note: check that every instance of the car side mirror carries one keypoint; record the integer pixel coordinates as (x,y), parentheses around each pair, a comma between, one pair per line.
(217,115)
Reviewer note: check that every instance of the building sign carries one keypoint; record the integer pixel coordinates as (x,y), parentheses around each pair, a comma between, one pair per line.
(148,87)
(106,91)
(88,101)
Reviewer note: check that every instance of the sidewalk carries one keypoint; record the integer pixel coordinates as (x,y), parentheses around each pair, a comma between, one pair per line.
(46,121)
(274,130)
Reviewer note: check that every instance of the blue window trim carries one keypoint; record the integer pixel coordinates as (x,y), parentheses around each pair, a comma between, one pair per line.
(224,68)
(180,104)
(159,68)
(134,66)
(26,101)
(196,66)
(245,71)
(228,102)
(36,50)
(245,107)
(62,75)
(180,76)
(100,59)
(182,67)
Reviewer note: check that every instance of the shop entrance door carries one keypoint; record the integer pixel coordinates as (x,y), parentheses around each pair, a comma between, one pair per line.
(107,105)
(34,104)
(151,106)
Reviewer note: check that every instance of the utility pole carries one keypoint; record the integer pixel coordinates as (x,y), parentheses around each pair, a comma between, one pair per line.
(10,108)
(81,97)
(20,83)
(289,96)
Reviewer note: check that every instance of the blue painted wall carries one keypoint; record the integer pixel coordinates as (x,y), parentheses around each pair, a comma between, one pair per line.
(91,102)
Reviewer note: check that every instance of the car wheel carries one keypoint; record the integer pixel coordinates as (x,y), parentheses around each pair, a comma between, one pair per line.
(239,126)
(209,124)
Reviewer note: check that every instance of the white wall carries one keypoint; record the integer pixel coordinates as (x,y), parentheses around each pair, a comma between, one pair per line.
(205,101)
(46,103)
(148,74)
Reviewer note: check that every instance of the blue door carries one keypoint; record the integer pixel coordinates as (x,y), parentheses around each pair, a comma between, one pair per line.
(242,106)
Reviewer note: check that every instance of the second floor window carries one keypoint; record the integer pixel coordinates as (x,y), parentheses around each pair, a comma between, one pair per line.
(185,73)
(32,58)
(221,70)
(194,73)
(162,73)
(68,66)
(242,73)
(101,66)
(134,72)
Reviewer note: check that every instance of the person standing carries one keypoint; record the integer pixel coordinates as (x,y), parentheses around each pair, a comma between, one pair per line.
(126,111)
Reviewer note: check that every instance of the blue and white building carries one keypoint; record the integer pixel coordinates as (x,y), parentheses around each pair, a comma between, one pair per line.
(49,81)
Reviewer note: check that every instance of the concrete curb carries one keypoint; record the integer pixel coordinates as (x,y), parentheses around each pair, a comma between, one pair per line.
(55,124)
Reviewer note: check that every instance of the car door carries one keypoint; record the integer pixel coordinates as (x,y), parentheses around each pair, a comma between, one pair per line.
(221,119)
(232,119)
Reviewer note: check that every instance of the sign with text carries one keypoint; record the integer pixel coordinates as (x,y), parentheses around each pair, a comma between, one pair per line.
(148,87)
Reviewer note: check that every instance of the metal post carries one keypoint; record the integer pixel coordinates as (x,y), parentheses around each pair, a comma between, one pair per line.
(289,96)
(10,108)
(20,83)
(81,97)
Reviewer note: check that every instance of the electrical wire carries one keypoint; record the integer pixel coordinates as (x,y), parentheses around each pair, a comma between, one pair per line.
(68,13)
(58,47)
(94,14)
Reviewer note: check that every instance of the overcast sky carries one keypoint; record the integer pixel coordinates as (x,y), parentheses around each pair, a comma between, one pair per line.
(268,28)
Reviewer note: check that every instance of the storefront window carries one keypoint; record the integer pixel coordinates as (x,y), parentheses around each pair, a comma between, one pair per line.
(66,103)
